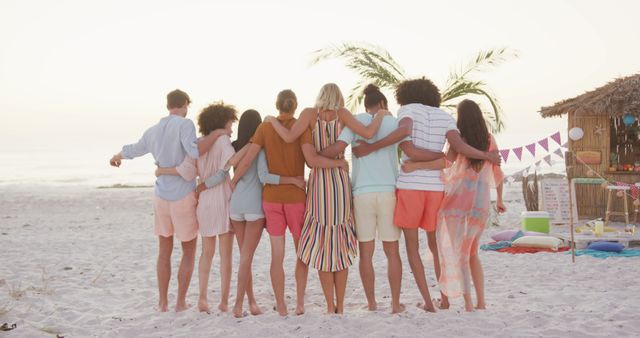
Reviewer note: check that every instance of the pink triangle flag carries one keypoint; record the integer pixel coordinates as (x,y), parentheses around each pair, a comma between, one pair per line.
(518,152)
(544,143)
(565,145)
(505,154)
(556,137)
(559,152)
(548,159)
(532,149)
(538,164)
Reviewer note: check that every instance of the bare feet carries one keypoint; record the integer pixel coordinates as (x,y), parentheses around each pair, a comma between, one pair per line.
(427,306)
(255,310)
(299,310)
(163,307)
(397,309)
(238,313)
(481,306)
(442,304)
(203,306)
(282,310)
(372,306)
(182,306)
(468,307)
(331,309)
(223,307)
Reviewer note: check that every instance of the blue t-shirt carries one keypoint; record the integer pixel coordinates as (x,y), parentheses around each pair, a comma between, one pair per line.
(378,171)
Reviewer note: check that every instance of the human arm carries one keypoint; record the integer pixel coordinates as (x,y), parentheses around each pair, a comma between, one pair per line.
(298,127)
(314,160)
(456,143)
(401,133)
(244,164)
(410,166)
(130,151)
(334,150)
(357,127)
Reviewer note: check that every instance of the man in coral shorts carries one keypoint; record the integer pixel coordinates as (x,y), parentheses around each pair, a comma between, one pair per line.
(419,193)
(169,141)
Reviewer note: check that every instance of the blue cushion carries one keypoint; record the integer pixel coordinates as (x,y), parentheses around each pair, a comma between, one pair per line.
(606,246)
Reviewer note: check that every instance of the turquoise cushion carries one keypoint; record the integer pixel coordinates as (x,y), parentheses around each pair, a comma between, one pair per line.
(606,246)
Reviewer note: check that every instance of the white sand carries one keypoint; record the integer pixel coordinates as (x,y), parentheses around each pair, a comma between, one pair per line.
(80,262)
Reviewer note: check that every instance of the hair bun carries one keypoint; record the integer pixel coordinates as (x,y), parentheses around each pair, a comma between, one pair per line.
(371,88)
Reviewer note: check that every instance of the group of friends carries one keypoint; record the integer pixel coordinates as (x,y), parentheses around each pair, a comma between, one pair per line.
(333,215)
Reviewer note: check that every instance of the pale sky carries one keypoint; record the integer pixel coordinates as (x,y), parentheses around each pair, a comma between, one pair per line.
(94,74)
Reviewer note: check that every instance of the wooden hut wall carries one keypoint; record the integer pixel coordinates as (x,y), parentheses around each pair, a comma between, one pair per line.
(591,199)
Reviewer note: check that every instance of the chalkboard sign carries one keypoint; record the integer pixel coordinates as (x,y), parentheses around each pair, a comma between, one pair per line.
(554,194)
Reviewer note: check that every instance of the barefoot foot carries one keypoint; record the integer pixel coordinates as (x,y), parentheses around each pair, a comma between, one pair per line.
(238,313)
(372,306)
(203,306)
(163,307)
(426,306)
(255,310)
(481,306)
(182,306)
(299,310)
(223,307)
(282,310)
(442,304)
(397,309)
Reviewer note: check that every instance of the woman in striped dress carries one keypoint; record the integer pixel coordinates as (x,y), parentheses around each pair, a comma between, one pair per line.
(328,242)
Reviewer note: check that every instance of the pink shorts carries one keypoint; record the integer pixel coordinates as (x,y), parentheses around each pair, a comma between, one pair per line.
(282,215)
(417,209)
(176,217)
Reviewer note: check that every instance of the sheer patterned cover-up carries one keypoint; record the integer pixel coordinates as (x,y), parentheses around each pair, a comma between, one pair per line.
(462,218)
(328,241)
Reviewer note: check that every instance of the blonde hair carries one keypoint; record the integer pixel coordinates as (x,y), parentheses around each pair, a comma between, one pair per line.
(330,97)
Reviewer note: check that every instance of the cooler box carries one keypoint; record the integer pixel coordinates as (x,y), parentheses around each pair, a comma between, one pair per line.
(537,221)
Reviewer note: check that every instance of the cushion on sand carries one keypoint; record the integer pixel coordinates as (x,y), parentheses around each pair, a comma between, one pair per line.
(546,242)
(606,246)
(512,235)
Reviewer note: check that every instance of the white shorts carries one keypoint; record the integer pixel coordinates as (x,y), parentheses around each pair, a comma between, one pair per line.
(374,213)
(246,217)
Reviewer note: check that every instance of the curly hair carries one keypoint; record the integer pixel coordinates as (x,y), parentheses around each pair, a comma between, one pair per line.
(216,116)
(418,91)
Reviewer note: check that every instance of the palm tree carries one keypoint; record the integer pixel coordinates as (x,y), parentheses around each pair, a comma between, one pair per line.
(375,65)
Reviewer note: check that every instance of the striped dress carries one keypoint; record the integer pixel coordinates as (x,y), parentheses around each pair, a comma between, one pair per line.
(328,241)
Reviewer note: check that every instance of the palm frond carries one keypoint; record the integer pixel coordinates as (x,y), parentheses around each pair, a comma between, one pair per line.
(372,63)
(483,61)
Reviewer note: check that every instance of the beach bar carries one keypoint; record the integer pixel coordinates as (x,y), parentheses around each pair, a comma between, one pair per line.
(604,141)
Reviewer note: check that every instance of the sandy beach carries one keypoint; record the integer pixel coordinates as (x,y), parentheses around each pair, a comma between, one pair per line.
(80,262)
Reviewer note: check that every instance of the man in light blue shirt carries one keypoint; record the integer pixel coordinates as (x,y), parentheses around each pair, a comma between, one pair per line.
(169,141)
(374,183)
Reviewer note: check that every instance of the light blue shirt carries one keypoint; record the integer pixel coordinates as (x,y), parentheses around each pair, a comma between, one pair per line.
(169,141)
(378,171)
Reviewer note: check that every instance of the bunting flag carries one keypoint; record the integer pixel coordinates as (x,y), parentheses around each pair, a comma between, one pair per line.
(565,145)
(518,152)
(556,137)
(548,159)
(538,164)
(559,152)
(544,143)
(505,154)
(532,149)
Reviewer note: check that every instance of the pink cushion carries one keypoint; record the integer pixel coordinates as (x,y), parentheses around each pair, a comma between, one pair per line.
(507,235)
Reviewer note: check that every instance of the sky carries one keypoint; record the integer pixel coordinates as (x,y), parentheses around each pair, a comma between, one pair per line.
(93,75)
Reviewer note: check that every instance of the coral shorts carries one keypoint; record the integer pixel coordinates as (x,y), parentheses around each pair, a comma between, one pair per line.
(417,209)
(282,215)
(176,217)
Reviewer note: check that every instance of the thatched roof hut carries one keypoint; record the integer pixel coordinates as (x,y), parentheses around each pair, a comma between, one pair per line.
(613,99)
(610,147)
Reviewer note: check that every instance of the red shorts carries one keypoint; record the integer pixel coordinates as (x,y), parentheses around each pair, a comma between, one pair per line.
(282,215)
(417,209)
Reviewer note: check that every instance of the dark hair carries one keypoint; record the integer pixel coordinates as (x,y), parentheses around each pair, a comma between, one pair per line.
(249,122)
(177,99)
(418,91)
(373,96)
(473,128)
(216,116)
(287,101)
